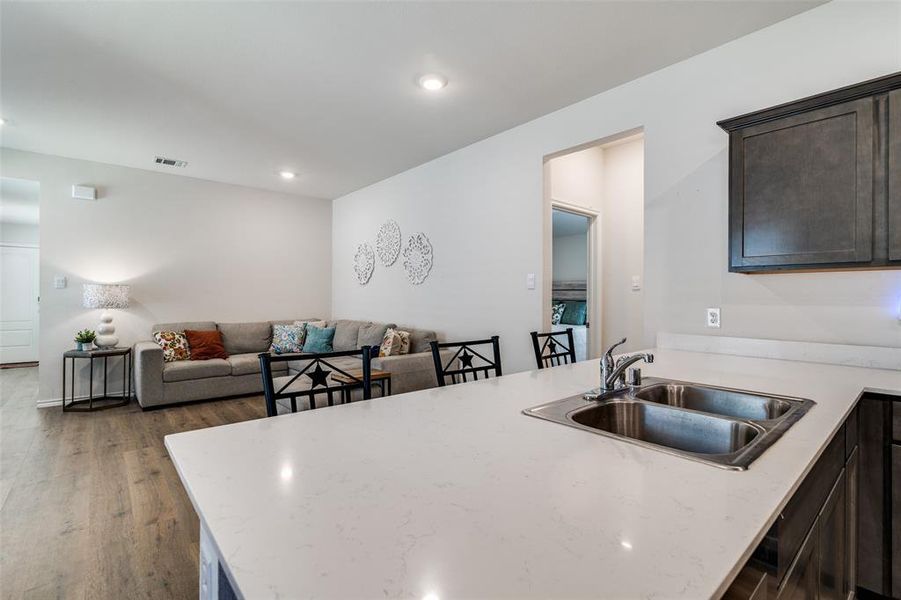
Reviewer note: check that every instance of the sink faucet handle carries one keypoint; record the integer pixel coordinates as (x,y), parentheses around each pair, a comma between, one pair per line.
(608,356)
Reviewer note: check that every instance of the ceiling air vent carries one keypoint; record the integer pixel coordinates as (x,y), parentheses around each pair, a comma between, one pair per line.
(170,162)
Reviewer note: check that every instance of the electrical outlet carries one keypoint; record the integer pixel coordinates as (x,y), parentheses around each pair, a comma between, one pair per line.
(59,282)
(713,317)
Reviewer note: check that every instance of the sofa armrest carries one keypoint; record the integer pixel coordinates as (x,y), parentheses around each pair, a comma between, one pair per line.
(148,367)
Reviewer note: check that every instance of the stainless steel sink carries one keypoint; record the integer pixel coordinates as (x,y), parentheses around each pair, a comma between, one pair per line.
(729,403)
(670,427)
(718,426)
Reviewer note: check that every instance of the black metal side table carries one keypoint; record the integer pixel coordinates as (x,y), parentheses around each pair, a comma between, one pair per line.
(106,400)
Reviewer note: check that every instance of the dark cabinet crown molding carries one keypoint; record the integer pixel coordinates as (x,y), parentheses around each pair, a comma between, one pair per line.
(864,89)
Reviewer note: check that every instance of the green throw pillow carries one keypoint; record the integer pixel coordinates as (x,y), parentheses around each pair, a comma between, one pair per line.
(574,313)
(319,339)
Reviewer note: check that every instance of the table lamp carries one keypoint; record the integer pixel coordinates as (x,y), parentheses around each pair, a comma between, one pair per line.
(105,296)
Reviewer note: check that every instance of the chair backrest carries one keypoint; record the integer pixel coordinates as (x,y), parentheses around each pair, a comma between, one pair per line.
(315,376)
(554,348)
(465,362)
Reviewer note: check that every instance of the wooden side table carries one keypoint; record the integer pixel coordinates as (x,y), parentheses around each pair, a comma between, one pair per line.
(106,400)
(380,378)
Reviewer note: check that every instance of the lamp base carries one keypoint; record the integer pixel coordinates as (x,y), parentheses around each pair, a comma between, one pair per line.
(106,332)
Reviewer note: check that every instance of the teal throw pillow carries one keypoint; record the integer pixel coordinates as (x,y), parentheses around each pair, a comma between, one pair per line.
(319,339)
(574,313)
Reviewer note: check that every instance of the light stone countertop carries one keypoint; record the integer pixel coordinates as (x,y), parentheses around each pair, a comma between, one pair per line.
(453,492)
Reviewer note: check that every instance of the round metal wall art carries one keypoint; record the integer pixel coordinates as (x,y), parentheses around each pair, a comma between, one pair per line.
(387,242)
(418,258)
(364,263)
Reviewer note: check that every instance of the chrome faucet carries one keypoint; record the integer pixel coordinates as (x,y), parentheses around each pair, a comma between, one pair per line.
(613,373)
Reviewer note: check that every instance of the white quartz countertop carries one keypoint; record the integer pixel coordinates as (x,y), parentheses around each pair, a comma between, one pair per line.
(453,492)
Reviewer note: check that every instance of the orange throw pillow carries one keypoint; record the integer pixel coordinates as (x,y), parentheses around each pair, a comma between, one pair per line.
(205,344)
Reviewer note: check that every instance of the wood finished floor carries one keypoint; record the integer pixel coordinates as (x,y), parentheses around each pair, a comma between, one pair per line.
(90,504)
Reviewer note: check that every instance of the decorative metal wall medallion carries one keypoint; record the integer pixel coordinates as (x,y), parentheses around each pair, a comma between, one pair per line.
(387,242)
(364,263)
(418,258)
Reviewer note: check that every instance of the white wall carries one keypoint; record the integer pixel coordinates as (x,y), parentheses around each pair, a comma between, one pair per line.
(622,243)
(570,257)
(19,233)
(482,205)
(191,250)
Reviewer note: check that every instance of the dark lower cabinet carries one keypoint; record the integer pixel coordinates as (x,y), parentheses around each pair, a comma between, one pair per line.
(896,520)
(809,553)
(879,499)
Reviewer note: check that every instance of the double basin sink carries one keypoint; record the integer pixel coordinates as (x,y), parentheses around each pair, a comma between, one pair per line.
(718,426)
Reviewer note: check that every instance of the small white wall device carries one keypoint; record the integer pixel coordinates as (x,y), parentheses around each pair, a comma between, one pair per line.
(83,192)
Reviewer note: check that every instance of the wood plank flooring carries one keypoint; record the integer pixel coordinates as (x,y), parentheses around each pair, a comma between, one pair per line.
(90,504)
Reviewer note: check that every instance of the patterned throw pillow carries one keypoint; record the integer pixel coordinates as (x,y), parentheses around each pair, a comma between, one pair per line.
(174,344)
(557,313)
(303,332)
(395,343)
(287,338)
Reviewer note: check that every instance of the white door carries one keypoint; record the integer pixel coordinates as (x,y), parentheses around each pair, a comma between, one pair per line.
(19,295)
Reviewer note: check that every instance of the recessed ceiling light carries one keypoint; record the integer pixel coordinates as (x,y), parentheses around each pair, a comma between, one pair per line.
(287,174)
(432,82)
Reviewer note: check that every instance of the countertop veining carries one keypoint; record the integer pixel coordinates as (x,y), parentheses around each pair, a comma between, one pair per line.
(453,492)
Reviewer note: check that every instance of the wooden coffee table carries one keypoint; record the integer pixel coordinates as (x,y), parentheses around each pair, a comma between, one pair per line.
(381,378)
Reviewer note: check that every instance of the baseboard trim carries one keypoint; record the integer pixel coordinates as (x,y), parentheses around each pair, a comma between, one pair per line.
(871,357)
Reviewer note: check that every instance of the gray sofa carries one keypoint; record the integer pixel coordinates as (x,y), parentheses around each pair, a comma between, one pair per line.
(158,383)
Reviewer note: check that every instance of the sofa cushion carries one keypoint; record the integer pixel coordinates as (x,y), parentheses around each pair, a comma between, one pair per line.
(184,370)
(247,364)
(372,334)
(239,338)
(345,363)
(182,325)
(347,332)
(420,339)
(205,345)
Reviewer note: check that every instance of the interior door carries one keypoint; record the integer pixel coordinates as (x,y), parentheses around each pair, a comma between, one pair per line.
(19,296)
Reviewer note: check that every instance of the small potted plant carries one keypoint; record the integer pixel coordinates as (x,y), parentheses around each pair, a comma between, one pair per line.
(84,339)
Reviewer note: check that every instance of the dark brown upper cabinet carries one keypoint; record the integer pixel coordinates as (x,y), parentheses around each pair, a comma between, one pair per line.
(894,176)
(816,184)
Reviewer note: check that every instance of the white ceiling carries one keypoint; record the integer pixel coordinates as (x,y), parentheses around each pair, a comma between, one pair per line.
(241,90)
(19,201)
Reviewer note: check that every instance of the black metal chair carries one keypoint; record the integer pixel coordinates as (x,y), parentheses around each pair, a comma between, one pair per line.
(460,365)
(554,349)
(314,378)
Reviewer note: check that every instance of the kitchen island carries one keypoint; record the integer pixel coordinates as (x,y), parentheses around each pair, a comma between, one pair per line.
(454,493)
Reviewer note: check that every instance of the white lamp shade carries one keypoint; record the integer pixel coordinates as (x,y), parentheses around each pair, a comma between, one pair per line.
(105,295)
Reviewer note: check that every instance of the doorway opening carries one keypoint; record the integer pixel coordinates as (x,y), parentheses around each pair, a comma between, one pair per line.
(19,272)
(600,186)
(569,280)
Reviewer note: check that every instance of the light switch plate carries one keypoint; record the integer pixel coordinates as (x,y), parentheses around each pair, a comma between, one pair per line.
(59,282)
(530,281)
(713,318)
(636,283)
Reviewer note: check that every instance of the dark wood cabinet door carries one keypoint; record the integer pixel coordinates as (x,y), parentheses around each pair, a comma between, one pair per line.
(896,521)
(832,545)
(894,176)
(802,190)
